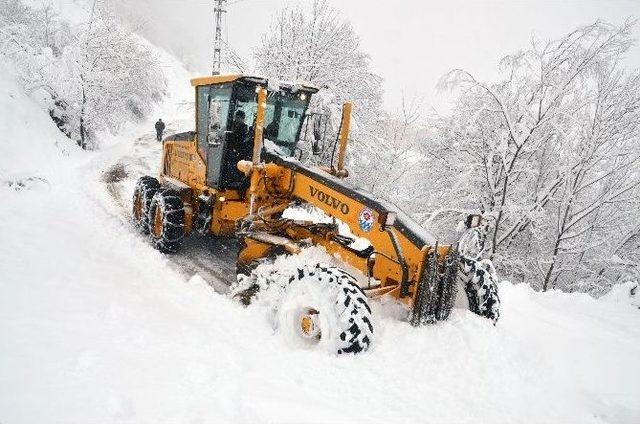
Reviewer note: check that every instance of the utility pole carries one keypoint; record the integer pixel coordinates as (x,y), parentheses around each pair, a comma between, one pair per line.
(217,41)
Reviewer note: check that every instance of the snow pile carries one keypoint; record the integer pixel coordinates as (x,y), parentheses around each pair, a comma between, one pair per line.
(272,277)
(313,214)
(625,294)
(95,326)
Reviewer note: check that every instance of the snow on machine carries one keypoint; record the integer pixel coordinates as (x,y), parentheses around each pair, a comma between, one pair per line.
(235,178)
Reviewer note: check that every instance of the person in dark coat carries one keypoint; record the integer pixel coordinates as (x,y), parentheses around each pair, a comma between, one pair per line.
(159,129)
(239,147)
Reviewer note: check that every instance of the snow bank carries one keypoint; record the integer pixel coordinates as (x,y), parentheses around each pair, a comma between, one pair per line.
(96,327)
(625,294)
(29,148)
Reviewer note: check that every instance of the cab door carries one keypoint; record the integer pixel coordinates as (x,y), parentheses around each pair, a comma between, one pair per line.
(213,119)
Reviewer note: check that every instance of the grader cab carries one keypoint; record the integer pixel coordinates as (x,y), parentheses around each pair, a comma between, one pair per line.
(237,173)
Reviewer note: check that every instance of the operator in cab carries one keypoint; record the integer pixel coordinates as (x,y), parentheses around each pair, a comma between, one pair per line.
(240,147)
(239,132)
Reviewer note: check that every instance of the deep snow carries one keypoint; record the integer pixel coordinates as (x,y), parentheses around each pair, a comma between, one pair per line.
(97,327)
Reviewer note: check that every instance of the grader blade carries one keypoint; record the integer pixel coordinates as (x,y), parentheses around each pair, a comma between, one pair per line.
(437,288)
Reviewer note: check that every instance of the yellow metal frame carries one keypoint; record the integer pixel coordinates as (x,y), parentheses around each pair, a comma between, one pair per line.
(273,187)
(344,135)
(215,79)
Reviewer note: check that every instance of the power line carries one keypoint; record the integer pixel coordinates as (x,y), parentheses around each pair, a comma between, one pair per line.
(217,41)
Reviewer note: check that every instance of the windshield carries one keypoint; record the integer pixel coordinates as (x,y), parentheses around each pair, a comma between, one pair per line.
(283,117)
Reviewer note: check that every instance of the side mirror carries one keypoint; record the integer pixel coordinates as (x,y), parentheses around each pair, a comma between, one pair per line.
(319,124)
(315,148)
(317,127)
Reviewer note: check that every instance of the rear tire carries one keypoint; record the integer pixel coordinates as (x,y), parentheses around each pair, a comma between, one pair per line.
(166,221)
(324,306)
(146,188)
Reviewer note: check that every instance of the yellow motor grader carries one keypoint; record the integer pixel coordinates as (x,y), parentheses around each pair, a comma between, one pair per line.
(237,173)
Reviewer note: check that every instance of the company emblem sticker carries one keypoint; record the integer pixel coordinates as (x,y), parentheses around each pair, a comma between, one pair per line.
(366,219)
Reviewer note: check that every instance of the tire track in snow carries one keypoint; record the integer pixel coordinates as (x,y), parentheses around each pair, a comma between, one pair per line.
(211,258)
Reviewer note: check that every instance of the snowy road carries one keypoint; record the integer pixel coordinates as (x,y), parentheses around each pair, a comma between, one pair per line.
(211,258)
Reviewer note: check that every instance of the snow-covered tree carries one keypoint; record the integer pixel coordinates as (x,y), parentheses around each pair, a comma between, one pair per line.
(321,47)
(392,169)
(95,75)
(550,152)
(600,179)
(111,76)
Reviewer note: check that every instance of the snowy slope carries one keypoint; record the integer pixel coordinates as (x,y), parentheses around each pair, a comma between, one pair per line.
(96,327)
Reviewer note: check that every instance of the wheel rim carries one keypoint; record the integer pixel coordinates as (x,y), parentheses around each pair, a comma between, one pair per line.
(157,222)
(137,207)
(309,324)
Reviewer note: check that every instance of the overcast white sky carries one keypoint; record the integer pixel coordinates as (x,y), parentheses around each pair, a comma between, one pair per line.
(412,43)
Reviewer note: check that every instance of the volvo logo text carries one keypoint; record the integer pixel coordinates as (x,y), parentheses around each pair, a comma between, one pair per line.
(327,199)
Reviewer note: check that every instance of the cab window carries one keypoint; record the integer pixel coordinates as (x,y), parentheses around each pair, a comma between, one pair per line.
(213,103)
(284,114)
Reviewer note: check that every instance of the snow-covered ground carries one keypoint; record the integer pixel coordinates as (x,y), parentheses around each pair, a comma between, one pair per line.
(97,327)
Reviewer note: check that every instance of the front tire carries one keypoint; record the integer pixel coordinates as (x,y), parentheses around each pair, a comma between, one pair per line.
(166,221)
(323,306)
(480,284)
